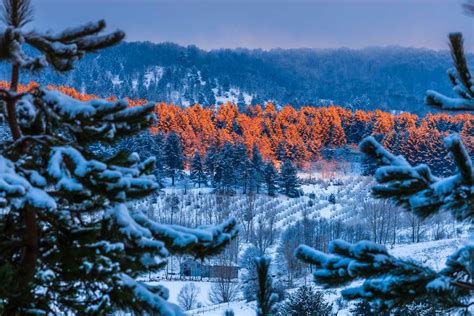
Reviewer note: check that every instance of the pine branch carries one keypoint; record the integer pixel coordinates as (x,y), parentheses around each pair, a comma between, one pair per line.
(457,53)
(64,49)
(461,80)
(266,298)
(16,13)
(461,158)
(389,282)
(416,189)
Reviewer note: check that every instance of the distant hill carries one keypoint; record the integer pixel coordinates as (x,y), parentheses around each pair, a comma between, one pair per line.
(390,78)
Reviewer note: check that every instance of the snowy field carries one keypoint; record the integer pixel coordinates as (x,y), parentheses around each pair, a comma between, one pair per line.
(432,253)
(335,199)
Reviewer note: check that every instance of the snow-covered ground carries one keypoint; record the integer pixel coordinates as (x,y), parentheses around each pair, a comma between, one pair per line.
(431,253)
(175,286)
(192,207)
(240,308)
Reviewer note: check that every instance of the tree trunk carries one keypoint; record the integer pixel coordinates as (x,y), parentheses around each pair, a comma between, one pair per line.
(27,264)
(11,103)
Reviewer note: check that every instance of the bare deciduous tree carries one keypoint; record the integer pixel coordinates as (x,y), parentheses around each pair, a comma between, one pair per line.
(188,296)
(380,217)
(263,236)
(225,289)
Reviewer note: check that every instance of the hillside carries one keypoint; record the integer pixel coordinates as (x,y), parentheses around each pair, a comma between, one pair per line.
(347,217)
(391,78)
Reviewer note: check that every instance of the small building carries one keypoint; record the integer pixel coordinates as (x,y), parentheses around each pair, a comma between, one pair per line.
(190,268)
(211,269)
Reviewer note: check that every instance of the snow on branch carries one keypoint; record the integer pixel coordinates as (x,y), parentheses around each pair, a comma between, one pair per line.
(417,189)
(446,103)
(16,190)
(201,241)
(89,121)
(76,174)
(461,79)
(171,239)
(389,282)
(60,50)
(153,297)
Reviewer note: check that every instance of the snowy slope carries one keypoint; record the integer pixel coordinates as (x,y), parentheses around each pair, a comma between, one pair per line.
(432,253)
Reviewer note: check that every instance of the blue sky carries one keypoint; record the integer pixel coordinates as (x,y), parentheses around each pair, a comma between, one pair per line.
(269,24)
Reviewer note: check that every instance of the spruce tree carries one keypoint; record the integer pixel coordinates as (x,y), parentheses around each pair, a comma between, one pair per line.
(147,145)
(280,152)
(256,168)
(197,170)
(210,163)
(288,179)
(241,166)
(70,242)
(174,159)
(271,178)
(225,174)
(241,103)
(306,301)
(266,298)
(391,282)
(248,273)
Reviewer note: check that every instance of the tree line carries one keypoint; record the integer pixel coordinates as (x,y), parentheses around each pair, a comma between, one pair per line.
(302,135)
(228,169)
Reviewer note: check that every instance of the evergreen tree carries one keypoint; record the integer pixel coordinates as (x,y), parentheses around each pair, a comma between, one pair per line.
(362,308)
(69,243)
(266,298)
(229,312)
(248,273)
(305,302)
(390,282)
(146,145)
(271,178)
(281,153)
(210,163)
(174,159)
(197,170)
(256,168)
(158,153)
(241,103)
(288,180)
(242,168)
(225,174)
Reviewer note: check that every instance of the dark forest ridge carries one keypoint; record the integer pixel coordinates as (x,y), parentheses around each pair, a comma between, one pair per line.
(388,78)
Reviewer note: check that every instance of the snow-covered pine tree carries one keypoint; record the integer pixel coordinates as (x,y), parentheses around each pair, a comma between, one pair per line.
(69,242)
(281,152)
(392,282)
(288,180)
(210,163)
(147,145)
(256,166)
(174,158)
(305,301)
(241,166)
(266,298)
(241,103)
(270,175)
(248,273)
(198,174)
(225,172)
